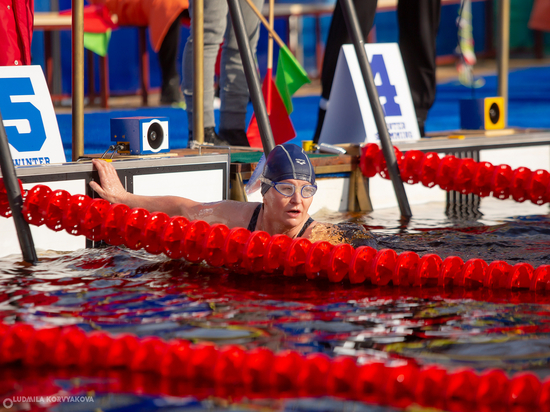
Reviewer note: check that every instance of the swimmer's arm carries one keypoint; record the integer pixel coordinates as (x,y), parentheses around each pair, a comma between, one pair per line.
(230,213)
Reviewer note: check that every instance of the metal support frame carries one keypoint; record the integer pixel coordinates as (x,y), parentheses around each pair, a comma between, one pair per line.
(354,31)
(15,198)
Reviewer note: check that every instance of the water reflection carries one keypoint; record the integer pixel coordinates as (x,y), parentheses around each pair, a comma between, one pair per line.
(119,290)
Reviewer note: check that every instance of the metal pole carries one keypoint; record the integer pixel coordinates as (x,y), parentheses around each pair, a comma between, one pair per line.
(503,52)
(77,32)
(198,70)
(15,199)
(354,31)
(252,76)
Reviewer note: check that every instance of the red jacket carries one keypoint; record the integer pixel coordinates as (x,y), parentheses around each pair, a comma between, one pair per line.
(158,15)
(16,25)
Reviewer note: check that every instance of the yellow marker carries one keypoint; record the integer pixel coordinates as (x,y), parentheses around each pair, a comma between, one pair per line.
(456,136)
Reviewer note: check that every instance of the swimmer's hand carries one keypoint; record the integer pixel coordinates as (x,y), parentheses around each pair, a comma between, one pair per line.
(111,188)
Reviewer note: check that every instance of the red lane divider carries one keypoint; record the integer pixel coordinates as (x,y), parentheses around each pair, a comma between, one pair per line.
(462,175)
(242,251)
(261,371)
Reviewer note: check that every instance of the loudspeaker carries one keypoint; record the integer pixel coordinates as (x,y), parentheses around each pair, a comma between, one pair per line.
(487,113)
(140,135)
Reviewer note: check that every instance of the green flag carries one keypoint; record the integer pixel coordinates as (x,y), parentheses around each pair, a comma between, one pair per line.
(97,42)
(290,77)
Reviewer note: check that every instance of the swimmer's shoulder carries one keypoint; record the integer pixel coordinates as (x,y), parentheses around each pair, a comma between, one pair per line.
(346,232)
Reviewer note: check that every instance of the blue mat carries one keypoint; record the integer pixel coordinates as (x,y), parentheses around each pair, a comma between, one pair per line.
(528,106)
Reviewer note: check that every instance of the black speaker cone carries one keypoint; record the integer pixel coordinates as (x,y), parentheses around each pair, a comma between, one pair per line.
(494,113)
(155,135)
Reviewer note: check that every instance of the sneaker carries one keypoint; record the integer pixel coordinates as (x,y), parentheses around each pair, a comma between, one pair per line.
(235,137)
(210,138)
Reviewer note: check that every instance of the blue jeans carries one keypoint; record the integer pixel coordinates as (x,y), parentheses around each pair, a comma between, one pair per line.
(233,88)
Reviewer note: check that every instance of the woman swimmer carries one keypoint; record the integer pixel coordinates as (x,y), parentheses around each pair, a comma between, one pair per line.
(288,186)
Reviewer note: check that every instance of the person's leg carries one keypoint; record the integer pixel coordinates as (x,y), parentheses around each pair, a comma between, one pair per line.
(215,19)
(337,36)
(168,52)
(234,94)
(418,26)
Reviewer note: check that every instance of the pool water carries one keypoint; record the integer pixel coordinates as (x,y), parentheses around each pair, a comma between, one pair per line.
(118,290)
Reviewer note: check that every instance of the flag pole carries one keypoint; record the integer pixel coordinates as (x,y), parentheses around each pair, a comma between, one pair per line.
(266,24)
(252,77)
(269,74)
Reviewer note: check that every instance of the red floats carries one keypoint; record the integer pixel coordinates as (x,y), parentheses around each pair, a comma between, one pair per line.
(493,385)
(152,232)
(5,210)
(339,262)
(540,281)
(410,168)
(428,270)
(13,343)
(446,172)
(524,390)
(481,183)
(121,351)
(172,237)
(405,269)
(520,276)
(254,251)
(113,224)
(464,176)
(518,185)
(383,267)
(451,268)
(67,350)
(428,169)
(502,178)
(71,215)
(133,228)
(234,246)
(257,365)
(175,360)
(35,203)
(92,219)
(381,166)
(367,162)
(497,274)
(317,259)
(313,376)
(537,187)
(40,346)
(295,257)
(193,240)
(53,212)
(401,384)
(462,385)
(431,385)
(341,377)
(275,250)
(473,274)
(229,365)
(361,264)
(147,356)
(213,244)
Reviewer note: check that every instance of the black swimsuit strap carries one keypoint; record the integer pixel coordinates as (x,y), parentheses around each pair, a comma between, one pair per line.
(306,225)
(254,218)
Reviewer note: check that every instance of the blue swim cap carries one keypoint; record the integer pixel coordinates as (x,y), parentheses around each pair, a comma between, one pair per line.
(287,161)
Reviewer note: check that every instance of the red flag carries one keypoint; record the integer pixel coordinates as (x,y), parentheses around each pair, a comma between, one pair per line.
(281,125)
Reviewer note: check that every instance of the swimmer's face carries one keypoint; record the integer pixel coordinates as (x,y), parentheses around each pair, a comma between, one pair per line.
(289,211)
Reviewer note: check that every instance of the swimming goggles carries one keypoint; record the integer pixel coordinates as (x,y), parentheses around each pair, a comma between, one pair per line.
(288,189)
